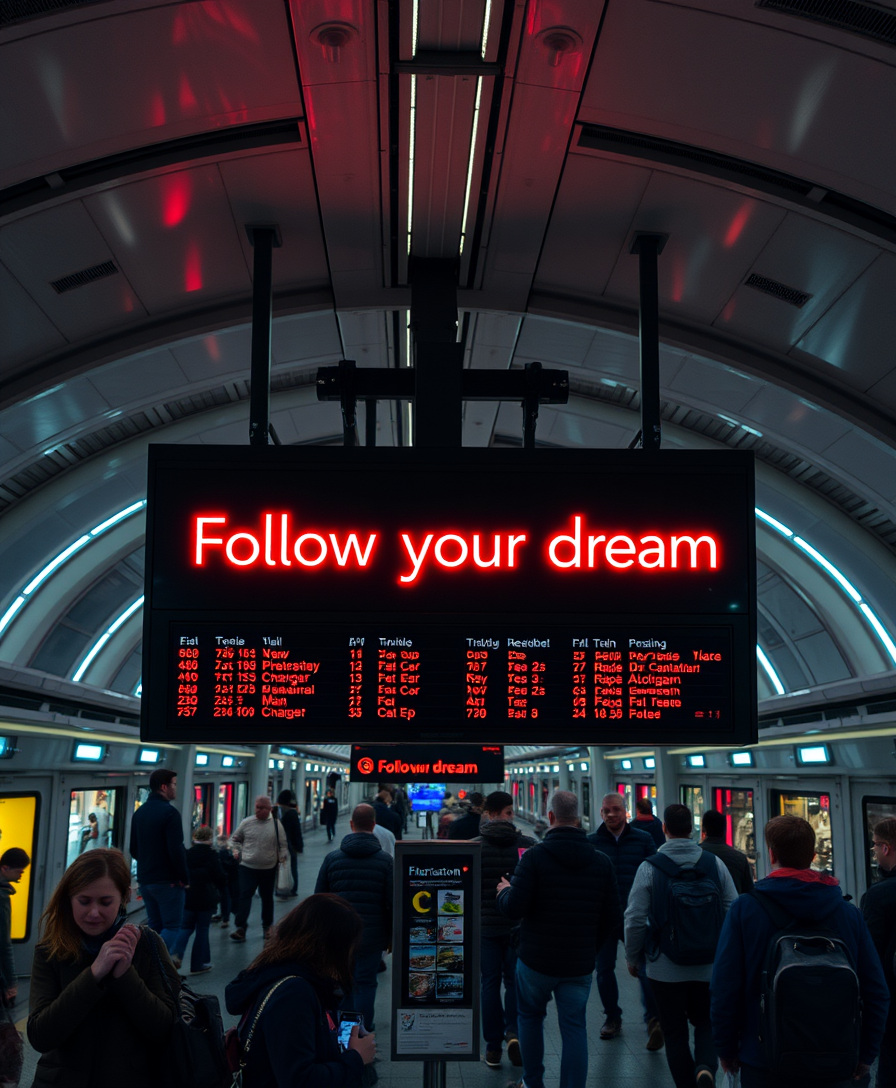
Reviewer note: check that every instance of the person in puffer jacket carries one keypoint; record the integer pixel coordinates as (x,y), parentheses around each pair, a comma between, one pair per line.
(502,847)
(361,872)
(565,894)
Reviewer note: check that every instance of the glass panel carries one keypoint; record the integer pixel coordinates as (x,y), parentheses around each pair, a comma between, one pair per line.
(586,798)
(91,821)
(202,805)
(740,830)
(874,809)
(816,808)
(224,813)
(625,788)
(242,801)
(693,798)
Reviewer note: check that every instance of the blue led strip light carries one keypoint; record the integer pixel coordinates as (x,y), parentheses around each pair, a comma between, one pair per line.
(54,564)
(772,675)
(838,577)
(105,636)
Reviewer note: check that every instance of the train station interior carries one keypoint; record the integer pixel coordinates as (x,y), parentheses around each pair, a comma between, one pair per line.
(524,145)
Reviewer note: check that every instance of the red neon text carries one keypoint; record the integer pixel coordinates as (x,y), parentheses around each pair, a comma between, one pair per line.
(453,550)
(620,551)
(308,549)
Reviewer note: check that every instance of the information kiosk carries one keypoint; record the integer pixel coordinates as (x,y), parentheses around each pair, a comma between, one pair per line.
(435,969)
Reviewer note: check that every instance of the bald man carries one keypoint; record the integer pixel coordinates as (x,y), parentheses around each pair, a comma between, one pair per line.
(262,845)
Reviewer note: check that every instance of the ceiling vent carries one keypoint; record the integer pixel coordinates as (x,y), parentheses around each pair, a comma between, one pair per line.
(870,20)
(85,276)
(777,290)
(14,11)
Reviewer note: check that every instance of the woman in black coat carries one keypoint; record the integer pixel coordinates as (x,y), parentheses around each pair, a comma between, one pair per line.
(207,881)
(303,973)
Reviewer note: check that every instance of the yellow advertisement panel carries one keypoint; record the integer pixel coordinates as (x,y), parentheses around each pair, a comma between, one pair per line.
(18,827)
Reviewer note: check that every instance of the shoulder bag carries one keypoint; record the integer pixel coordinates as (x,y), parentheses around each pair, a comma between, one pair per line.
(196,1042)
(237,1052)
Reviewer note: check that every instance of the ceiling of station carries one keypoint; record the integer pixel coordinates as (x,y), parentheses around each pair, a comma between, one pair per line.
(529,139)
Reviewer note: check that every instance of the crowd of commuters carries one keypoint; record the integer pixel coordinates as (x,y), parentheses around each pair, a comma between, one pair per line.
(734,961)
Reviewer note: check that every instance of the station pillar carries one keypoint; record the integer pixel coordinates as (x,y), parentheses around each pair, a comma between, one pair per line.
(666,780)
(259,774)
(183,762)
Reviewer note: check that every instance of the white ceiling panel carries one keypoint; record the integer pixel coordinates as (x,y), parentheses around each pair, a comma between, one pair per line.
(884,392)
(7,451)
(619,356)
(714,384)
(53,413)
(174,237)
(55,243)
(714,237)
(766,94)
(558,341)
(364,337)
(595,206)
(317,421)
(804,254)
(865,460)
(279,188)
(129,78)
(571,428)
(856,333)
(217,355)
(794,420)
(88,506)
(27,332)
(306,338)
(141,379)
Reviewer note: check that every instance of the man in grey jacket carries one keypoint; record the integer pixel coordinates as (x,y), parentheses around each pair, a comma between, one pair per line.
(681,992)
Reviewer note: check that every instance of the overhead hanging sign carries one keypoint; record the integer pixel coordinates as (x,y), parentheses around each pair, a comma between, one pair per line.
(591,595)
(427,763)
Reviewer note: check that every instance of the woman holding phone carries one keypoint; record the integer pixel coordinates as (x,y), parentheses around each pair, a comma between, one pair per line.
(98,1006)
(299,980)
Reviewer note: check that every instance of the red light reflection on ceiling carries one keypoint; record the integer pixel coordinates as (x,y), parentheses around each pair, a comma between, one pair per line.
(177,195)
(738,223)
(157,114)
(213,348)
(193,269)
(185,95)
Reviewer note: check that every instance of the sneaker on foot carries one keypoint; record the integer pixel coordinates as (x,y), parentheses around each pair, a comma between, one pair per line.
(612,1028)
(493,1059)
(238,935)
(225,923)
(655,1040)
(202,970)
(215,918)
(513,1049)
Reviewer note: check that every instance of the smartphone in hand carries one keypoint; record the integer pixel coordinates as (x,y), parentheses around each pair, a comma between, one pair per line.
(347,1021)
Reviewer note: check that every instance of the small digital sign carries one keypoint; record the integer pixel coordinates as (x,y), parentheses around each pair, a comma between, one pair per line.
(593,596)
(426,796)
(423,763)
(435,978)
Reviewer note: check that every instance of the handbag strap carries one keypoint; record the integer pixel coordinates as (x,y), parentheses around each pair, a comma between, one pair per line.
(152,940)
(248,1042)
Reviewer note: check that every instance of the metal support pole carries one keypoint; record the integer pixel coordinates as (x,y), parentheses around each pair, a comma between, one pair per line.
(438,408)
(263,240)
(370,424)
(530,404)
(435,1074)
(648,247)
(349,400)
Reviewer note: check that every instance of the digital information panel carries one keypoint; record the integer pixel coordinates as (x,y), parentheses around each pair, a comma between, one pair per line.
(435,972)
(590,596)
(427,763)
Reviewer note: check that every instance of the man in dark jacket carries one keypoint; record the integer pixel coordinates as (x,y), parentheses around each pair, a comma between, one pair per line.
(467,826)
(879,909)
(807,896)
(565,894)
(385,817)
(626,847)
(712,839)
(157,845)
(502,847)
(292,827)
(361,872)
(646,820)
(13,863)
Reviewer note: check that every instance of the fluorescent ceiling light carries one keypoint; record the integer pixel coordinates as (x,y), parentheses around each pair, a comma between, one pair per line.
(772,675)
(741,759)
(625,764)
(816,753)
(104,638)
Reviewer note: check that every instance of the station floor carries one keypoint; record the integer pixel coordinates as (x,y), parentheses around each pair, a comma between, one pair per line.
(622,1062)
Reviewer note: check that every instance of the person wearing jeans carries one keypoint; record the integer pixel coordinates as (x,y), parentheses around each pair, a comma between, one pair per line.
(533,991)
(565,896)
(157,845)
(206,884)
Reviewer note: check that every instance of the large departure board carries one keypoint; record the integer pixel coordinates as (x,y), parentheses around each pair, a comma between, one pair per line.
(486,596)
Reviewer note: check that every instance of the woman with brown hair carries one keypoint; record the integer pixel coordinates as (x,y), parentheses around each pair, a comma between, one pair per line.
(303,972)
(99,1006)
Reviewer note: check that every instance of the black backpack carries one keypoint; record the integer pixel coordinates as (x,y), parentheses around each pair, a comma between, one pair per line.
(804,1039)
(686,910)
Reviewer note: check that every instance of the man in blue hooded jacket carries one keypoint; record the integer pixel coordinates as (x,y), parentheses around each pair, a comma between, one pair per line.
(808,896)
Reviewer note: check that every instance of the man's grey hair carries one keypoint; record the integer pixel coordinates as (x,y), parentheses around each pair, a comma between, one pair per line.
(612,797)
(263,797)
(565,806)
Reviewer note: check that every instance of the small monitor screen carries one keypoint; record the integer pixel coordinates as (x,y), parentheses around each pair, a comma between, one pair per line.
(426,796)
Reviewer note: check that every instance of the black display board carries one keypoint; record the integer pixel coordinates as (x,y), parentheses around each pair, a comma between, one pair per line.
(426,763)
(435,968)
(507,596)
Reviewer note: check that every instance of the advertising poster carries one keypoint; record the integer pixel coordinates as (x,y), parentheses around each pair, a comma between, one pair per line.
(435,983)
(18,827)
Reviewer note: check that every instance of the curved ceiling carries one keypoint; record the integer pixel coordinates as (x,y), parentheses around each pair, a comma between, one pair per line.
(530,141)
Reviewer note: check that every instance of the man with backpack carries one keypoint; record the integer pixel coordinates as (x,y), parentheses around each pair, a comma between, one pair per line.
(879,911)
(673,921)
(798,993)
